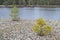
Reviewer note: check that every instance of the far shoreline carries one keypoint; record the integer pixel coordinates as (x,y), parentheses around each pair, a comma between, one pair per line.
(42,6)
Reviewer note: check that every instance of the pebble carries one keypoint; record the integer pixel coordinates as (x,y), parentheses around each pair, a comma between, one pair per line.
(28,39)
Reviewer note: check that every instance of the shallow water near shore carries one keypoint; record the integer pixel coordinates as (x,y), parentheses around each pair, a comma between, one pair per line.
(33,13)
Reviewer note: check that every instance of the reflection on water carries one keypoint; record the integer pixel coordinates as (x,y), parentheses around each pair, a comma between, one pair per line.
(33,13)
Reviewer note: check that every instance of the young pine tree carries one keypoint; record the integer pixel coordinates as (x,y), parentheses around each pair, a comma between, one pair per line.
(15,13)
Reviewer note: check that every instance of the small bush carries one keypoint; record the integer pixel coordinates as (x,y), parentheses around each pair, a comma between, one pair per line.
(41,27)
(15,13)
(1,36)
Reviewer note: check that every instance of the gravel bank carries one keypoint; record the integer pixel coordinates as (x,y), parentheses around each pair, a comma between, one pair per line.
(22,30)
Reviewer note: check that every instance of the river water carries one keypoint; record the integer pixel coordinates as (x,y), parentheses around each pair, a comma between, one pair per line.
(33,13)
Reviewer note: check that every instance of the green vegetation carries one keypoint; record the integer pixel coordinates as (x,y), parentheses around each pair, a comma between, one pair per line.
(5,2)
(1,35)
(30,2)
(41,27)
(15,13)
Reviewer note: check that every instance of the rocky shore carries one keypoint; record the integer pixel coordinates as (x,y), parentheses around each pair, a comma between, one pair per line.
(43,6)
(22,30)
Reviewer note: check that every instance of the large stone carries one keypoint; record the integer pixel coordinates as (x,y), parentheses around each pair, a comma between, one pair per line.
(28,39)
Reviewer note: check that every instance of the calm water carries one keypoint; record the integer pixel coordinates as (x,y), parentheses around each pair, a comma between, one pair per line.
(33,13)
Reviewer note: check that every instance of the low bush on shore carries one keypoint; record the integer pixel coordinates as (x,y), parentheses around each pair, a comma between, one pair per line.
(1,36)
(41,27)
(15,13)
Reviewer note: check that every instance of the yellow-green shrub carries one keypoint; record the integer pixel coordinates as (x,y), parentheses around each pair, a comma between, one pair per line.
(40,21)
(41,27)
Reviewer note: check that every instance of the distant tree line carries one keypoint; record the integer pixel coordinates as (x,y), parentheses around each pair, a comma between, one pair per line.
(30,2)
